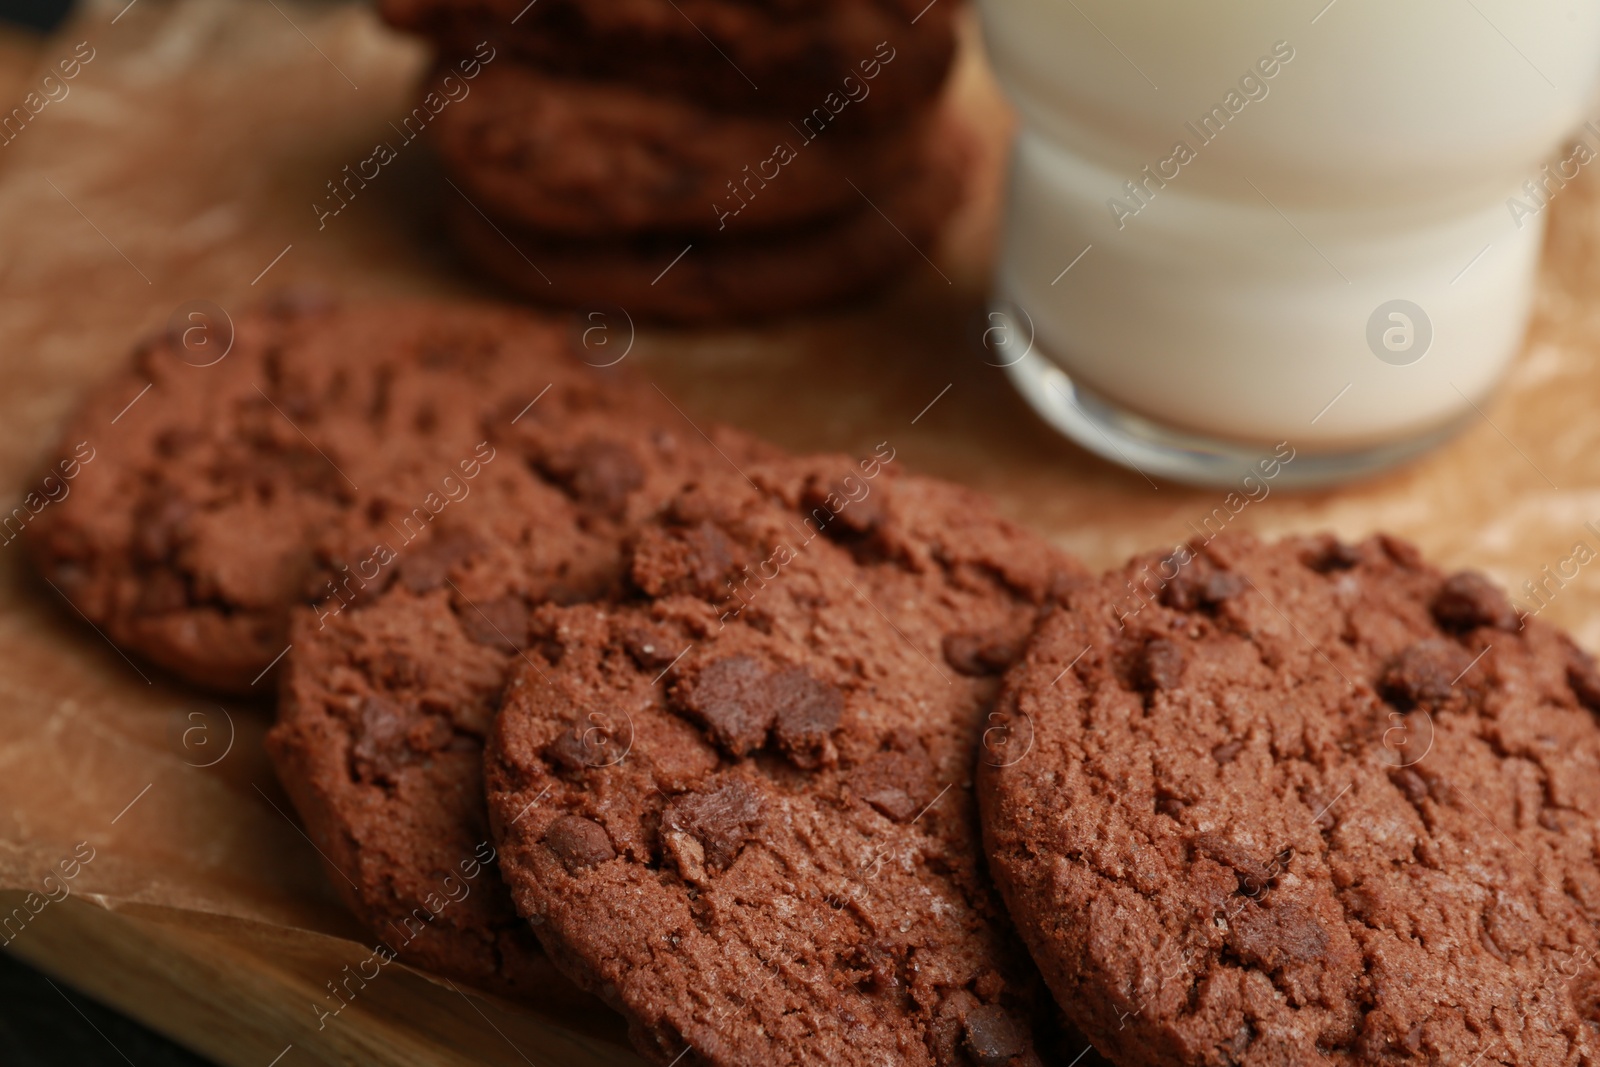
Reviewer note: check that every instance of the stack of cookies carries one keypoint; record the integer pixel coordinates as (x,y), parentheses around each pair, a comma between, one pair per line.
(809,760)
(694,160)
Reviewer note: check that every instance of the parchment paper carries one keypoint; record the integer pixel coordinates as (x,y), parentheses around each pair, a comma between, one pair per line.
(183,164)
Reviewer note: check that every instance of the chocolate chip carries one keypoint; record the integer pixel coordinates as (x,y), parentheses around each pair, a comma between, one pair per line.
(1220,586)
(1182,593)
(1326,554)
(980,652)
(1159,666)
(731,700)
(568,751)
(598,474)
(963,651)
(598,739)
(650,650)
(1277,935)
(1253,875)
(1199,585)
(844,507)
(721,820)
(499,623)
(739,701)
(892,802)
(381,720)
(1225,753)
(381,748)
(895,783)
(992,1037)
(428,566)
(1424,673)
(686,853)
(1169,803)
(695,561)
(808,713)
(1468,600)
(578,843)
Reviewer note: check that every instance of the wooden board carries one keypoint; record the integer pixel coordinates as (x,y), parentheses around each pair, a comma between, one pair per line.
(184,164)
(242,992)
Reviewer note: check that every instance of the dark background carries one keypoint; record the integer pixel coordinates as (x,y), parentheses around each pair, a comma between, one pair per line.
(41,1026)
(33,14)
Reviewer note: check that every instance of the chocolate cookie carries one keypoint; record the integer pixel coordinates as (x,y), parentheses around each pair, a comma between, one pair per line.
(385,701)
(728,275)
(738,804)
(593,158)
(870,62)
(229,488)
(1305,802)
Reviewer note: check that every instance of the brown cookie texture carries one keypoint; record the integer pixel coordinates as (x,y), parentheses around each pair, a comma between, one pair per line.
(585,158)
(224,491)
(737,804)
(379,746)
(779,59)
(729,275)
(1303,802)
(386,698)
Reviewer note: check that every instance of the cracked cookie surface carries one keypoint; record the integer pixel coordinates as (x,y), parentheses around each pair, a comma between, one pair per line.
(738,803)
(327,443)
(386,699)
(1304,802)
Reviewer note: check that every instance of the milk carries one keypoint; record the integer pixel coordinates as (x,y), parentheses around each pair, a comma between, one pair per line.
(1234,225)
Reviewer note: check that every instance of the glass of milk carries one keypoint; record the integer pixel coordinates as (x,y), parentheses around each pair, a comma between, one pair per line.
(1264,229)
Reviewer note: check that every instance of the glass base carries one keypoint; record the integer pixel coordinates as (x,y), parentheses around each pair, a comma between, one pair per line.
(1156,451)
